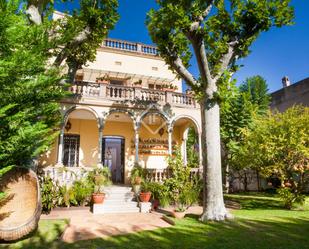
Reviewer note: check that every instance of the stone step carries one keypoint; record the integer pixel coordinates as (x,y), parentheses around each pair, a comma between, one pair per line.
(120,203)
(118,189)
(107,208)
(112,196)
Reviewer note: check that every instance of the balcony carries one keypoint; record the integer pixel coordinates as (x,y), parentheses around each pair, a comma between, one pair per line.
(128,93)
(134,47)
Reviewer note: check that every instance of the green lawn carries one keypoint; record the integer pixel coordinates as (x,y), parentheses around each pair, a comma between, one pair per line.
(261,223)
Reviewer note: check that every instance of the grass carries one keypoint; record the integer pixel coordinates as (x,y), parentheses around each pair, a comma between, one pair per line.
(261,223)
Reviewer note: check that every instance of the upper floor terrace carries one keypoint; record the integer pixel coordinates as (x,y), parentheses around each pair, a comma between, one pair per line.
(126,71)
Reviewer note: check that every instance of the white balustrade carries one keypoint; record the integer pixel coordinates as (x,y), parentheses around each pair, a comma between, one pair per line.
(66,175)
(114,92)
(130,46)
(86,89)
(152,95)
(183,99)
(159,175)
(120,92)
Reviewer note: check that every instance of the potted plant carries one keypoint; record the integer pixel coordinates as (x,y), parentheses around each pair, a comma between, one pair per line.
(145,193)
(138,83)
(156,190)
(169,87)
(138,174)
(179,211)
(101,178)
(102,79)
(136,184)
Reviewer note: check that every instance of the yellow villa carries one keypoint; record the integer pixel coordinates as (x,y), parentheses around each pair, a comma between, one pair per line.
(127,107)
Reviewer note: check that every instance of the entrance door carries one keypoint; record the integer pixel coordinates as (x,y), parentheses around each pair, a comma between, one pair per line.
(71,150)
(113,157)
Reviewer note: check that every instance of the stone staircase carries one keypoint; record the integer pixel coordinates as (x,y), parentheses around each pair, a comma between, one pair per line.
(118,199)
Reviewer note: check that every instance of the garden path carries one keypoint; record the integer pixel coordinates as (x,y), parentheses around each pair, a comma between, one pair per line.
(84,225)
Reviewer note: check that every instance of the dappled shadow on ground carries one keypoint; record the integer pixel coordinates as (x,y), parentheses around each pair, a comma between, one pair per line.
(282,232)
(255,201)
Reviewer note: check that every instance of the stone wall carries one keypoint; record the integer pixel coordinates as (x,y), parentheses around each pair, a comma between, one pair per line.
(295,94)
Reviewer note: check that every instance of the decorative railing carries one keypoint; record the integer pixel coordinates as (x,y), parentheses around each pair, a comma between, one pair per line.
(65,175)
(183,99)
(159,175)
(130,46)
(121,93)
(152,95)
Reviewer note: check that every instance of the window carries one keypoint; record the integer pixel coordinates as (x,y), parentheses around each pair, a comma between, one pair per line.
(71,150)
(118,63)
(154,68)
(151,86)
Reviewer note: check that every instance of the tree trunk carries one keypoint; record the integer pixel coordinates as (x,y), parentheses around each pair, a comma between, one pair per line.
(258,180)
(245,181)
(227,178)
(214,208)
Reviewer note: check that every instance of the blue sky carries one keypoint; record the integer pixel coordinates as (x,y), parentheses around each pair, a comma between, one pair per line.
(279,52)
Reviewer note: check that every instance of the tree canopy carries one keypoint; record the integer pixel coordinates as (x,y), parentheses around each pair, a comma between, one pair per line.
(218,33)
(36,52)
(278,145)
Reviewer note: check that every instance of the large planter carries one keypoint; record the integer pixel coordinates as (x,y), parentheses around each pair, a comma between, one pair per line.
(98,198)
(22,209)
(178,215)
(145,196)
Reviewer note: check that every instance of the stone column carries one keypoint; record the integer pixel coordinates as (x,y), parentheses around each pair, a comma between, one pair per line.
(60,147)
(136,140)
(170,140)
(100,126)
(185,157)
(184,146)
(200,150)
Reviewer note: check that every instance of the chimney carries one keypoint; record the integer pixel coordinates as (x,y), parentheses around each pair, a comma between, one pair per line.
(285,81)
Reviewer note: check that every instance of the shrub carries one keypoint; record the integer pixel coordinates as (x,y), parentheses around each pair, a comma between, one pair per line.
(99,178)
(179,189)
(290,197)
(48,194)
(138,174)
(82,191)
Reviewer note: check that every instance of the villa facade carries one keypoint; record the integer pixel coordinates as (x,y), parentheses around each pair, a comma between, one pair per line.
(126,107)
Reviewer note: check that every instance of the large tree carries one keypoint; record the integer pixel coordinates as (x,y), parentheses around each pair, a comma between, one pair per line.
(218,33)
(36,53)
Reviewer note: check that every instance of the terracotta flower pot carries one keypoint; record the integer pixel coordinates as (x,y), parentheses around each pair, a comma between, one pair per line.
(168,90)
(178,215)
(155,204)
(98,198)
(145,196)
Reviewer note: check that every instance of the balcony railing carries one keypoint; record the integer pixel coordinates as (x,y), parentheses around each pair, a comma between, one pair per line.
(123,93)
(130,46)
